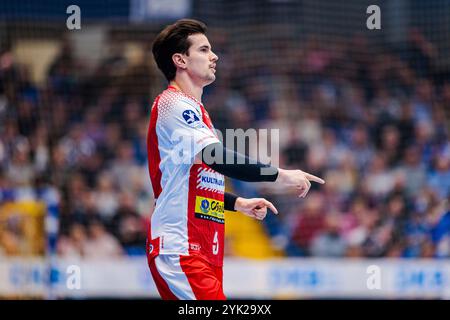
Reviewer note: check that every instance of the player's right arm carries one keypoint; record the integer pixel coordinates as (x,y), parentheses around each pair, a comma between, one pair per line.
(245,169)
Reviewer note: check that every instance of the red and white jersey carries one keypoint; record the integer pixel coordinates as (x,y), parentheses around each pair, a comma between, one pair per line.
(189,213)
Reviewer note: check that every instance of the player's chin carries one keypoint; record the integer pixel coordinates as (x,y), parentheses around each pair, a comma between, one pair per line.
(211,78)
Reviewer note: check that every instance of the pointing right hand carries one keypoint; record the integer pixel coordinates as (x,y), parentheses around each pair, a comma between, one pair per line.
(297,179)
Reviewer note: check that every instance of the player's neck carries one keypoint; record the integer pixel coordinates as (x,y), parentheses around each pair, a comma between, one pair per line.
(188,87)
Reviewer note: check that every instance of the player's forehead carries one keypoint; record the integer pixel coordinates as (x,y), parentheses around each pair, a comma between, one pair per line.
(198,40)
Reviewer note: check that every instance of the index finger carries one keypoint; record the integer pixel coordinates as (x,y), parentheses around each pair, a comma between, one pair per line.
(314,178)
(271,206)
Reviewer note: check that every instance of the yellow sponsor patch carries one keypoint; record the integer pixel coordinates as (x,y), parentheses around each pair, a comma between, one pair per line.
(211,209)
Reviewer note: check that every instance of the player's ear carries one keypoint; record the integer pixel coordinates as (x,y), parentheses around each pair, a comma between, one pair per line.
(179,61)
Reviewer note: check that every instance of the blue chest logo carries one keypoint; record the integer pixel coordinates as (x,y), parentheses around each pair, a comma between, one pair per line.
(190,117)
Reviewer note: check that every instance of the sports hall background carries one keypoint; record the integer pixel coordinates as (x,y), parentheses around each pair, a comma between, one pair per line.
(367,110)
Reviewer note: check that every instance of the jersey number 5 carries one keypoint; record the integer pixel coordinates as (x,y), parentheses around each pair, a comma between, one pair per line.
(215,247)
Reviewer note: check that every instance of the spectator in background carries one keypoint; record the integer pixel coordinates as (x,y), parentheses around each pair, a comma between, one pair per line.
(359,236)
(131,119)
(64,71)
(59,170)
(422,101)
(259,100)
(310,222)
(405,124)
(27,117)
(40,146)
(72,245)
(390,146)
(113,138)
(296,151)
(429,249)
(20,169)
(328,242)
(140,142)
(421,53)
(441,236)
(379,180)
(360,146)
(395,212)
(101,244)
(344,176)
(413,171)
(128,227)
(76,145)
(106,197)
(439,176)
(94,127)
(417,231)
(90,166)
(329,152)
(124,168)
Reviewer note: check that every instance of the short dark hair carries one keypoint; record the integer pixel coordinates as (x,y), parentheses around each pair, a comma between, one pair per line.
(174,39)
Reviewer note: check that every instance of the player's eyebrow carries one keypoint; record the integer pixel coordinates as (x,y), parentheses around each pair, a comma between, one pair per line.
(205,46)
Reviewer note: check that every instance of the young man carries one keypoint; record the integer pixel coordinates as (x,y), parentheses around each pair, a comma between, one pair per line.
(186,233)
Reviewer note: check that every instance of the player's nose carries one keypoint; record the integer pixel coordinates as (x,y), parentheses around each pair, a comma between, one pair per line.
(214,57)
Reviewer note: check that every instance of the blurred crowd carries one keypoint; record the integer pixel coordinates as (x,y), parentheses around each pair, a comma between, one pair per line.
(83,135)
(372,120)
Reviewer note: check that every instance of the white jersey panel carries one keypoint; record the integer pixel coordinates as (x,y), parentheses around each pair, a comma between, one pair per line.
(181,135)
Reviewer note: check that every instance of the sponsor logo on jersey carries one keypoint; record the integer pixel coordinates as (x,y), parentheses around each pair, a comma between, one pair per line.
(190,117)
(209,209)
(194,246)
(209,180)
(204,206)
